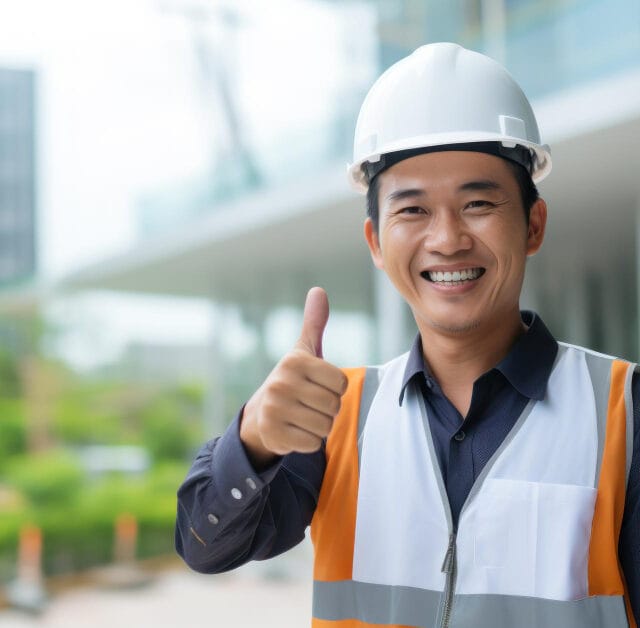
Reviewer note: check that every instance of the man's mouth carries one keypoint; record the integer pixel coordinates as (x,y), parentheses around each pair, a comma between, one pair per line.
(453,278)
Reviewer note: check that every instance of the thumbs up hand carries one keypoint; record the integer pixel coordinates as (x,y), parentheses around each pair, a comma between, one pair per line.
(314,320)
(294,408)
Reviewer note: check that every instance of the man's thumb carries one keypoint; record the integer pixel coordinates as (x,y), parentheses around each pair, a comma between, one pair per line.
(316,315)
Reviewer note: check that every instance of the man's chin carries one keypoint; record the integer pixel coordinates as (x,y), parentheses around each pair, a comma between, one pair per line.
(453,327)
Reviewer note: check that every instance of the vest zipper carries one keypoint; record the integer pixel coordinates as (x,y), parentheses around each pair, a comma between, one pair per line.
(449,567)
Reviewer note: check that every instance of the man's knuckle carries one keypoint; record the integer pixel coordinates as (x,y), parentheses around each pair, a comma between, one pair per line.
(287,365)
(280,389)
(288,359)
(270,407)
(296,359)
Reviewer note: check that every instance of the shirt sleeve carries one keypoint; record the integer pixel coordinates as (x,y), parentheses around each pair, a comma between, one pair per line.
(229,514)
(629,546)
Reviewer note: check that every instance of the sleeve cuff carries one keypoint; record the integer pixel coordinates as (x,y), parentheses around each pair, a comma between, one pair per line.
(237,481)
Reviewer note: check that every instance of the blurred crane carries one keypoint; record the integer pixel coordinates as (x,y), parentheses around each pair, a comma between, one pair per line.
(232,162)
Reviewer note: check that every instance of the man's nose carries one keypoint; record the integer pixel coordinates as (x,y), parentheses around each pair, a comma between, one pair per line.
(448,234)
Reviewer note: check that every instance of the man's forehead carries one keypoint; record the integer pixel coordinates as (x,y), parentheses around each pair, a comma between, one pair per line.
(455,170)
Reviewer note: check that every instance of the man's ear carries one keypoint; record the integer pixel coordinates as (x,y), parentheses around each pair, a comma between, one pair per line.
(371,236)
(537,226)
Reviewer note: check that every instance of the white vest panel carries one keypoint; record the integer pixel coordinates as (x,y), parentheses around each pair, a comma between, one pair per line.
(526,526)
(400,517)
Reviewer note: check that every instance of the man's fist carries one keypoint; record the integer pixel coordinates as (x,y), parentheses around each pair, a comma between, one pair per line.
(294,408)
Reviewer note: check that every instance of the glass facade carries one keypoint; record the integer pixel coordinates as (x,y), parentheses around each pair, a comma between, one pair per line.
(548,45)
(17,176)
(551,46)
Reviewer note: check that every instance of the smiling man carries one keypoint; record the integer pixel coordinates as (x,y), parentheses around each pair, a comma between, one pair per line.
(453,236)
(490,476)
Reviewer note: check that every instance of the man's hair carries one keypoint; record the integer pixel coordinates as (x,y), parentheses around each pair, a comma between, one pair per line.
(528,193)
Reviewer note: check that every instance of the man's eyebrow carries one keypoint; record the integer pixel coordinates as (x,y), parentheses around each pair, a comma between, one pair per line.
(469,186)
(480,185)
(399,195)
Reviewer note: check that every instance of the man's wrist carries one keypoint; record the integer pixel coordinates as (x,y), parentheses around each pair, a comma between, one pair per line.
(259,456)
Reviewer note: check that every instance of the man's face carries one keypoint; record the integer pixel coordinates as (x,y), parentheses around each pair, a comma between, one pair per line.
(453,239)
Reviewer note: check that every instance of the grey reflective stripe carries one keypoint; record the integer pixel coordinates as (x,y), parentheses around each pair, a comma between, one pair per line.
(375,603)
(369,389)
(628,404)
(408,606)
(505,611)
(600,373)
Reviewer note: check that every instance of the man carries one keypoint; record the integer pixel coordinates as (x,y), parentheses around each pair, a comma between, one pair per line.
(489,476)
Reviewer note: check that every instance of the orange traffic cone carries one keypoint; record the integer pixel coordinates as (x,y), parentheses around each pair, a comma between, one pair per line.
(124,573)
(126,537)
(27,590)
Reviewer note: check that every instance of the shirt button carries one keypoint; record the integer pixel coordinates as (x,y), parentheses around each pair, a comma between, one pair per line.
(459,436)
(236,493)
(251,484)
(213,519)
(429,382)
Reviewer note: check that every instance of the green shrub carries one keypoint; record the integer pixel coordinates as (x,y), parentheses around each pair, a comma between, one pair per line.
(13,429)
(10,384)
(171,428)
(80,534)
(77,514)
(103,413)
(49,479)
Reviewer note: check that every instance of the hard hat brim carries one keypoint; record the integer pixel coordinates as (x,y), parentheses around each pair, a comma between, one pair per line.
(540,162)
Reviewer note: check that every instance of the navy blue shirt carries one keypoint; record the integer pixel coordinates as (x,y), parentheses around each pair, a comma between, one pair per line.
(465,444)
(229,514)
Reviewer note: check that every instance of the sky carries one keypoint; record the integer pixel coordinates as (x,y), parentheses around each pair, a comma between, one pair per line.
(123,111)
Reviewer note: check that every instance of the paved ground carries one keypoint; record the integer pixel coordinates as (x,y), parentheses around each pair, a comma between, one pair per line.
(265,595)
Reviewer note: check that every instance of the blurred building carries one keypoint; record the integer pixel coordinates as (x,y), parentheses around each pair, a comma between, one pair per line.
(578,61)
(146,362)
(17,176)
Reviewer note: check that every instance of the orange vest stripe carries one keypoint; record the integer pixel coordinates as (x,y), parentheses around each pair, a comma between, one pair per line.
(339,497)
(604,570)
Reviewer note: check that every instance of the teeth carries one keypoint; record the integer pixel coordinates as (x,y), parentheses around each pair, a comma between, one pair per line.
(457,275)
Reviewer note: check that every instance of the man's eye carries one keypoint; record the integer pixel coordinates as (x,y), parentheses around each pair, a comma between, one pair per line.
(411,210)
(478,203)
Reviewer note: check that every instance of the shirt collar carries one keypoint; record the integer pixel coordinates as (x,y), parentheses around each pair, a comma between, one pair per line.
(527,366)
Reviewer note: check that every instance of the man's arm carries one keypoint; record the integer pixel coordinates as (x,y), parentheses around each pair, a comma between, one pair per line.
(229,514)
(629,546)
(251,493)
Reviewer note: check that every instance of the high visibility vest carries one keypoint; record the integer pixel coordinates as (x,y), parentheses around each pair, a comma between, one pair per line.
(537,539)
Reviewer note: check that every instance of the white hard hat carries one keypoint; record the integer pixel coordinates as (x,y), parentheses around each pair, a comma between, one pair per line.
(441,95)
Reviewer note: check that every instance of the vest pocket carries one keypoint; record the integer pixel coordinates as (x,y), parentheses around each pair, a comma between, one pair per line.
(527,538)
